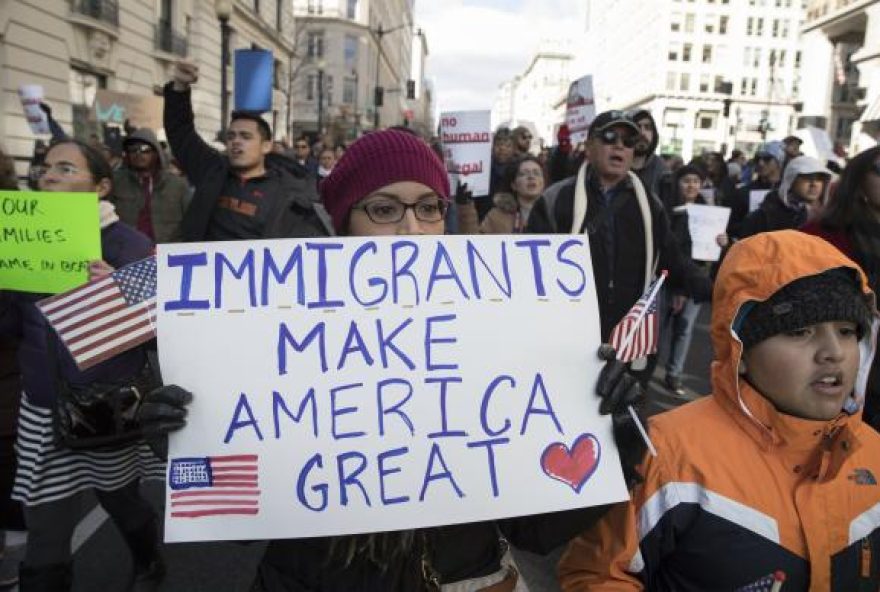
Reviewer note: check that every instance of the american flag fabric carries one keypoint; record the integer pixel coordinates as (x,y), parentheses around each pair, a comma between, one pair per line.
(645,328)
(214,486)
(769,583)
(106,316)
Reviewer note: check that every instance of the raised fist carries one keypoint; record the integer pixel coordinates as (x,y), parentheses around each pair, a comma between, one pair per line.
(185,75)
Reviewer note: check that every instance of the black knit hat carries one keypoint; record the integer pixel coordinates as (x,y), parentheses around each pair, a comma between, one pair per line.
(830,296)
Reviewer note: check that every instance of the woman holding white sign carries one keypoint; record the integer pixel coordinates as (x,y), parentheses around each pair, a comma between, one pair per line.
(391,183)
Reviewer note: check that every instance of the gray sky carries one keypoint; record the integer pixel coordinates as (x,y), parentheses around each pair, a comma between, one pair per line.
(475,45)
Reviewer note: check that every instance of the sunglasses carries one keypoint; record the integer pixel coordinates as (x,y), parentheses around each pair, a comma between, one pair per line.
(139,149)
(610,137)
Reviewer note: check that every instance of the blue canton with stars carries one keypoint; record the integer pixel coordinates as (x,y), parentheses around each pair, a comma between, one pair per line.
(137,281)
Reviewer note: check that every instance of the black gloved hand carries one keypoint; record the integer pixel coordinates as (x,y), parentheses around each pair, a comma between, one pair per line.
(619,390)
(46,109)
(463,195)
(163,410)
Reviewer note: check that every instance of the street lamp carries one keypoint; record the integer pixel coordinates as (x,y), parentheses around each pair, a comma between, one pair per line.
(320,100)
(223,10)
(378,93)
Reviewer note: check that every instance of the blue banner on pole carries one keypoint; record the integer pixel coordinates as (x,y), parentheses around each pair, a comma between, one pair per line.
(254,70)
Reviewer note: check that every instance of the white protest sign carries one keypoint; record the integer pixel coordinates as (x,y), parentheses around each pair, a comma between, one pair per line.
(354,385)
(705,223)
(31,96)
(580,108)
(467,148)
(756,198)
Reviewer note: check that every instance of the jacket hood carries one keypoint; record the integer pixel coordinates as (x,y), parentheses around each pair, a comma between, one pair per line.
(147,136)
(753,270)
(801,165)
(642,114)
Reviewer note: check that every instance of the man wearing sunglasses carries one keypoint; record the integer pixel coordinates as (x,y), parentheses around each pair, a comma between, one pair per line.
(627,226)
(146,194)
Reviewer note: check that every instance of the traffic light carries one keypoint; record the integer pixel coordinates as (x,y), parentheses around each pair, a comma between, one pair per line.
(410,89)
(379,96)
(727,103)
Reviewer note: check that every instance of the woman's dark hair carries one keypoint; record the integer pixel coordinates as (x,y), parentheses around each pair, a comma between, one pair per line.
(99,168)
(848,203)
(512,170)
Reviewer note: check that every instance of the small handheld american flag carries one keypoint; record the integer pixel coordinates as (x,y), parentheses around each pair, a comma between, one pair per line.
(106,316)
(637,333)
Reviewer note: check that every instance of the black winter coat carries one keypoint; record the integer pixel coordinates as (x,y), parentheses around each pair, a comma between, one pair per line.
(299,216)
(772,215)
(619,272)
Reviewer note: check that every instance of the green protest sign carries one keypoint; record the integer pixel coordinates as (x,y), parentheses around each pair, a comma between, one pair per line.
(47,240)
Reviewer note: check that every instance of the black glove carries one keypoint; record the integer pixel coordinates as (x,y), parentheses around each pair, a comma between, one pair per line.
(163,410)
(463,195)
(46,109)
(619,390)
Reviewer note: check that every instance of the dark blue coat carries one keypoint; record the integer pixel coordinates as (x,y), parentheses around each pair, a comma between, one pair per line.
(120,244)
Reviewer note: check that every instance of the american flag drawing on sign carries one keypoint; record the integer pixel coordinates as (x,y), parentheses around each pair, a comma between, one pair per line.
(637,333)
(106,316)
(769,583)
(214,486)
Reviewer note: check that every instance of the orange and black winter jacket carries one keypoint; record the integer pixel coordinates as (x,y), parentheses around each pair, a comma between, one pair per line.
(739,491)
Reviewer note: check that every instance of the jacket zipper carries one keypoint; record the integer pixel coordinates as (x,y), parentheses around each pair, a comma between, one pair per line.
(866,582)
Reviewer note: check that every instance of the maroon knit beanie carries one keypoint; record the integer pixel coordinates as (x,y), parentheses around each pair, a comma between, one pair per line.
(375,160)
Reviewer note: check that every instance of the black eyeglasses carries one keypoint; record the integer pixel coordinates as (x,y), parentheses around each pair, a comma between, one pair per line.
(139,149)
(392,211)
(610,137)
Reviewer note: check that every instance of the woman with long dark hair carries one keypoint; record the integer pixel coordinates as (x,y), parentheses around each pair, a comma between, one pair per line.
(521,186)
(851,222)
(391,183)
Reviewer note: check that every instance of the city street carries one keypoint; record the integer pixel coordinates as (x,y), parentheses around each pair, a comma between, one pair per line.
(102,563)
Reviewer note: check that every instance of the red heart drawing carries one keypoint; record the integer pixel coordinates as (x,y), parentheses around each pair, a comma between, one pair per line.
(575,466)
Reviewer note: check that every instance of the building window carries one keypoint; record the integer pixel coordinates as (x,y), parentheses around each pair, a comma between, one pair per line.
(349,90)
(759,27)
(784,32)
(754,87)
(316,7)
(744,86)
(775,31)
(316,45)
(780,58)
(757,61)
(351,52)
(83,86)
(328,89)
(311,87)
(279,15)
(750,25)
(707,54)
(685,82)
(709,26)
(689,23)
(351,9)
(675,22)
(704,83)
(747,57)
(722,25)
(707,119)
(797,60)
(670,81)
(673,53)
(686,52)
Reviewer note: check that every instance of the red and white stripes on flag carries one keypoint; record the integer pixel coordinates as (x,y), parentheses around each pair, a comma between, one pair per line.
(106,316)
(637,334)
(214,486)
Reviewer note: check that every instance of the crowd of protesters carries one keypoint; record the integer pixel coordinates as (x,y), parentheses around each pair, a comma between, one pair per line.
(770,479)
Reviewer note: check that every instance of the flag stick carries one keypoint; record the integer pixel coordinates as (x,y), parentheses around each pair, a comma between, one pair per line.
(627,340)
